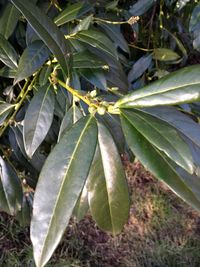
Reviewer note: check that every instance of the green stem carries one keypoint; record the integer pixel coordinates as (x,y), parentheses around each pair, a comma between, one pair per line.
(140,48)
(19,104)
(75,93)
(110,22)
(111,109)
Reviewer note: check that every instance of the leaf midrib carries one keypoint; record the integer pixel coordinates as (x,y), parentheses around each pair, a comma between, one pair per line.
(173,169)
(39,114)
(107,195)
(131,97)
(57,21)
(63,182)
(156,131)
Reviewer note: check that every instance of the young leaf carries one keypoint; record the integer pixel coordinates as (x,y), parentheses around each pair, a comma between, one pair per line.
(83,24)
(10,189)
(181,86)
(107,187)
(98,40)
(163,136)
(48,32)
(31,60)
(8,20)
(165,54)
(8,54)
(72,12)
(157,163)
(38,118)
(66,169)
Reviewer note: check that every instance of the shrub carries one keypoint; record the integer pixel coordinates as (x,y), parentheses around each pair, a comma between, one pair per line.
(76,93)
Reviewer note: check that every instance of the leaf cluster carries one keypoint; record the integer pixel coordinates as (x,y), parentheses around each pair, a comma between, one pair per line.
(82,83)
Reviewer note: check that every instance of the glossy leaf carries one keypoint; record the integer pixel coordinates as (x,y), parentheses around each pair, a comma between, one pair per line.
(72,116)
(82,205)
(181,86)
(107,187)
(88,60)
(83,24)
(5,109)
(24,215)
(38,158)
(8,54)
(114,32)
(72,12)
(48,32)
(8,20)
(157,163)
(95,77)
(98,40)
(187,128)
(66,169)
(44,75)
(165,54)
(163,136)
(10,189)
(32,59)
(139,67)
(38,118)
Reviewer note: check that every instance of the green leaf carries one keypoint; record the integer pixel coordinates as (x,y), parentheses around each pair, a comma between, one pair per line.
(48,32)
(163,136)
(165,54)
(5,109)
(72,116)
(95,77)
(82,205)
(181,86)
(107,187)
(38,118)
(10,189)
(8,54)
(114,32)
(139,67)
(83,24)
(24,215)
(141,7)
(45,74)
(87,60)
(66,169)
(157,163)
(194,27)
(187,128)
(98,40)
(7,72)
(8,20)
(31,60)
(72,12)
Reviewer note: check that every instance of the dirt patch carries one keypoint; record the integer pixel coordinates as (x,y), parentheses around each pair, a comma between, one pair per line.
(162,231)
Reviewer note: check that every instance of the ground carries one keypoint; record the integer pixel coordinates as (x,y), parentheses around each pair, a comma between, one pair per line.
(162,231)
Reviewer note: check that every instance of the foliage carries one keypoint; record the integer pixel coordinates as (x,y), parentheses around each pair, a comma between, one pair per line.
(70,104)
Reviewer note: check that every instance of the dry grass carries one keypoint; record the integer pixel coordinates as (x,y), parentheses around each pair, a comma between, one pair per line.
(162,231)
